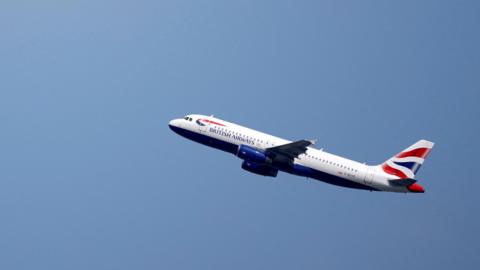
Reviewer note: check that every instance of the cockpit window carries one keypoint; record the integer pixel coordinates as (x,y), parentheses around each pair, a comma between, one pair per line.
(186,118)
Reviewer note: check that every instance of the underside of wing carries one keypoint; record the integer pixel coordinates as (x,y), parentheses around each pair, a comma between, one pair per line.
(291,150)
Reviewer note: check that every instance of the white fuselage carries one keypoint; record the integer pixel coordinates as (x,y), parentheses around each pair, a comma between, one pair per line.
(369,176)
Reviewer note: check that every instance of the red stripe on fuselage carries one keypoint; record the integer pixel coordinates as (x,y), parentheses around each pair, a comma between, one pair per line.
(212,122)
(419,152)
(393,171)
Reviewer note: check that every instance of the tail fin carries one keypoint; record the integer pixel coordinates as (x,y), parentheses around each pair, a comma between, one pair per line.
(406,163)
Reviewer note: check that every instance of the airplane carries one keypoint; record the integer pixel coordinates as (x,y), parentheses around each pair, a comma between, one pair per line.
(264,154)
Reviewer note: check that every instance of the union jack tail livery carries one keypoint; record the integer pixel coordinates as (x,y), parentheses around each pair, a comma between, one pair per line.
(407,163)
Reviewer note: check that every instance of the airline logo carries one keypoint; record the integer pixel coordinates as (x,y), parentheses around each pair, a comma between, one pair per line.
(203,122)
(407,163)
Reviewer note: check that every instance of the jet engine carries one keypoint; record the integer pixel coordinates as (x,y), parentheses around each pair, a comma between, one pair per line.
(261,169)
(246,152)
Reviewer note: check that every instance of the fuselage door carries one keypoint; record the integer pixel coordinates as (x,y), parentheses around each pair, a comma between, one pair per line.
(369,176)
(202,125)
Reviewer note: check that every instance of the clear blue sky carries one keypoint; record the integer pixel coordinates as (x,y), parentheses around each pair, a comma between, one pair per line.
(92,178)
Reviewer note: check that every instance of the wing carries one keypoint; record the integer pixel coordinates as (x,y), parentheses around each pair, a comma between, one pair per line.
(290,150)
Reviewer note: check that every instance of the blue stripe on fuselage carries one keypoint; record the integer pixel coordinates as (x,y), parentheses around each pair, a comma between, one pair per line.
(297,169)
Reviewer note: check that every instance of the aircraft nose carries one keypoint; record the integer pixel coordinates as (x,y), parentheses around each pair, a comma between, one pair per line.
(174,123)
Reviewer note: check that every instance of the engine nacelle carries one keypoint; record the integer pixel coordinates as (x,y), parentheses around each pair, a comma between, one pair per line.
(251,154)
(261,169)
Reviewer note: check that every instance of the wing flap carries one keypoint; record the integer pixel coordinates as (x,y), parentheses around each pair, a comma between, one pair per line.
(291,150)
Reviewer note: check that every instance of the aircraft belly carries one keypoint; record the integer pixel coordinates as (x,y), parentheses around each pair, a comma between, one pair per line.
(303,169)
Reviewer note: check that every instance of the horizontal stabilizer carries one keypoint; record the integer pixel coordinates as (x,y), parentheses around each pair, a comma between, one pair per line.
(402,182)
